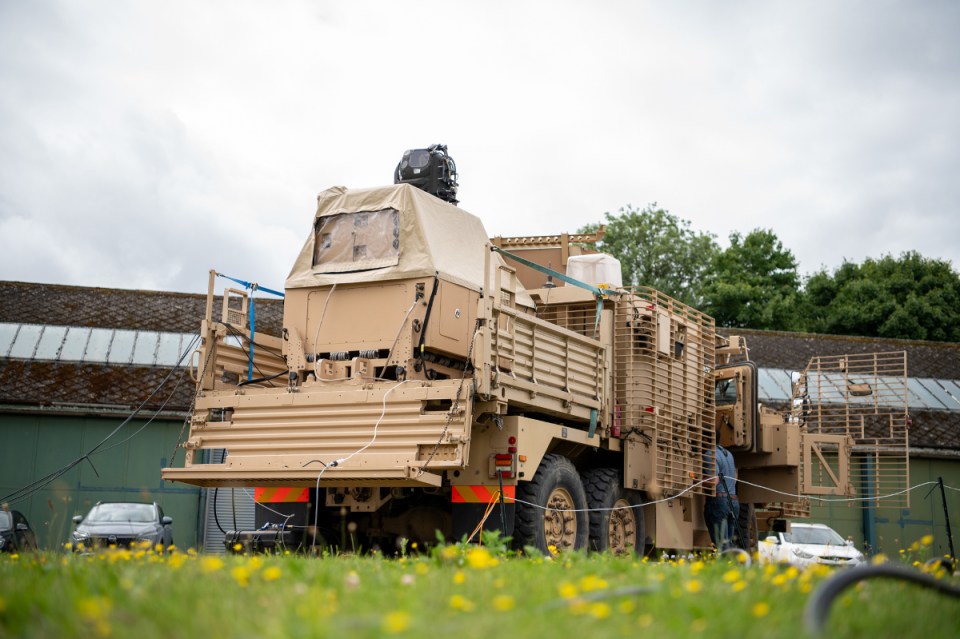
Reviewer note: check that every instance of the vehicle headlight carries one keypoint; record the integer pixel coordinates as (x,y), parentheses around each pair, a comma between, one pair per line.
(802,554)
(3,541)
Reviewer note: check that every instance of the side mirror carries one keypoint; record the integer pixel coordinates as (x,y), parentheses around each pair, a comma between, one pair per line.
(166,521)
(77,519)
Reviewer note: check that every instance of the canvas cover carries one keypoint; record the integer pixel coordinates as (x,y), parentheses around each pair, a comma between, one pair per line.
(434,237)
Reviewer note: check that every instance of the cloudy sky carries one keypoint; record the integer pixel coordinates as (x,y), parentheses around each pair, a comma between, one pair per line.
(143,143)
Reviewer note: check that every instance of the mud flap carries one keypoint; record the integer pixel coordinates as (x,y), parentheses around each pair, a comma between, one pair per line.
(467,516)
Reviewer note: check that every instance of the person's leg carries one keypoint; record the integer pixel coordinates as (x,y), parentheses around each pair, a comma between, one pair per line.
(714,513)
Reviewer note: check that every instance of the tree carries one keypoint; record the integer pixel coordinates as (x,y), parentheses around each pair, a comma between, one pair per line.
(753,283)
(910,297)
(657,249)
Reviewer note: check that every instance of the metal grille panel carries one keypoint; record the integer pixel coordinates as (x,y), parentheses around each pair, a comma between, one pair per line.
(663,354)
(865,397)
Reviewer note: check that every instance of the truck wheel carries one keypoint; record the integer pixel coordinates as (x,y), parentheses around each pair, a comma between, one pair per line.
(555,510)
(616,521)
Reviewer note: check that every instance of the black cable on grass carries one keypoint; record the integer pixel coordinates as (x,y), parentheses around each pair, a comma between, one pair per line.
(818,606)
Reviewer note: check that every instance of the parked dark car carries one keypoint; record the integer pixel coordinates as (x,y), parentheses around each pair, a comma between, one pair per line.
(15,532)
(121,525)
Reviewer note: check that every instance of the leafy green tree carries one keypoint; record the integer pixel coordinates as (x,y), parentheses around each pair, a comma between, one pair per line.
(753,283)
(657,249)
(910,297)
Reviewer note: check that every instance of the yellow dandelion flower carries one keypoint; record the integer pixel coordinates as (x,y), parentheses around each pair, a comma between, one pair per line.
(241,574)
(504,603)
(94,607)
(779,580)
(553,550)
(422,569)
(177,560)
(459,577)
(568,590)
(600,610)
(396,622)
(693,586)
(459,602)
(449,553)
(731,576)
(696,567)
(237,547)
(481,559)
(592,582)
(926,540)
(761,609)
(211,564)
(272,573)
(739,585)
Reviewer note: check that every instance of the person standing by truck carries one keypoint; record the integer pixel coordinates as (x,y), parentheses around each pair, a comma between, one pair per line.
(722,510)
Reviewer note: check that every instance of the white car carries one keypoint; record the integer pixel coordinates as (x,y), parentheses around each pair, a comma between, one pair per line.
(807,544)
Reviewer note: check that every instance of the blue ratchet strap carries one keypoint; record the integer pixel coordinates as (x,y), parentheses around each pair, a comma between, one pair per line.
(252,287)
(599,293)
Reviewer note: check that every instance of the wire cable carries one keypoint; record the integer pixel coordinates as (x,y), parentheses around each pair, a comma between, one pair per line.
(33,487)
(316,336)
(818,606)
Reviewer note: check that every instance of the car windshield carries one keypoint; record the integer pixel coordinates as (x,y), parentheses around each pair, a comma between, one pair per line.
(816,536)
(6,520)
(137,513)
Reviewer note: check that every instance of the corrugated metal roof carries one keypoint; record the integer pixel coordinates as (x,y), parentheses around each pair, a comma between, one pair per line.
(92,345)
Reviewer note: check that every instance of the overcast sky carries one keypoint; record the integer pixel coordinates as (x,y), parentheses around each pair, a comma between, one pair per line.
(143,143)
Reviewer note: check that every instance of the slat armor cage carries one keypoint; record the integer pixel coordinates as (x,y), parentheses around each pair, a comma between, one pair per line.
(864,397)
(664,355)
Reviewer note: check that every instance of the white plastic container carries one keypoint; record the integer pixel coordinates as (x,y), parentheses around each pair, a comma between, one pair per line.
(596,269)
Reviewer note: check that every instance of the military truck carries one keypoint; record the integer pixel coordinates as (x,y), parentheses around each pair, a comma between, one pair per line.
(429,378)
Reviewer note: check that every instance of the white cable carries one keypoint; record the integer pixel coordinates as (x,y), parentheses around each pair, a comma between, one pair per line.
(383,413)
(399,332)
(588,510)
(316,336)
(792,496)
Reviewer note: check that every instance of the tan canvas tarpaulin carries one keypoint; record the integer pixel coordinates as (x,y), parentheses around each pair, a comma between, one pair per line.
(435,237)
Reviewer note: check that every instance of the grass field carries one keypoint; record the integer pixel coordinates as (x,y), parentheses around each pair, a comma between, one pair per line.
(452,591)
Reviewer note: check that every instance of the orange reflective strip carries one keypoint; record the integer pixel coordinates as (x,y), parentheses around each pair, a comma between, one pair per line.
(480,494)
(278,495)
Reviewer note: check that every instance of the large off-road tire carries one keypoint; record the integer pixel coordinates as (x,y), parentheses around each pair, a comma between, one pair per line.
(555,512)
(616,520)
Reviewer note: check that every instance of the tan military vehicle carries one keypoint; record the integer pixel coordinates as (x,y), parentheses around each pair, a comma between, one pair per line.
(431,379)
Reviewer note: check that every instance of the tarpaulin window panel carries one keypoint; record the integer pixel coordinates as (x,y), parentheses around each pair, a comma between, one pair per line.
(357,241)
